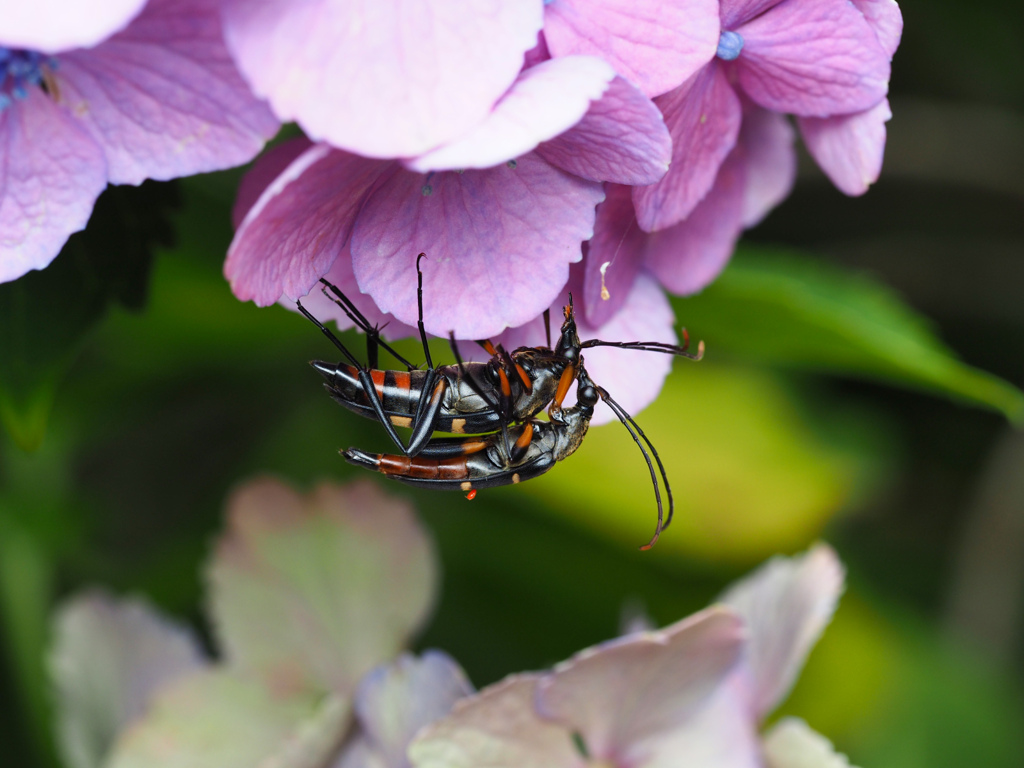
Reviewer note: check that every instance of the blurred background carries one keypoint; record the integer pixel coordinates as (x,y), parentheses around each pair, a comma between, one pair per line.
(844,397)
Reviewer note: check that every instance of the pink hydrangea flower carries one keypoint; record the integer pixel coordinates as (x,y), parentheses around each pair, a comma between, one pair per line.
(500,212)
(155,96)
(694,693)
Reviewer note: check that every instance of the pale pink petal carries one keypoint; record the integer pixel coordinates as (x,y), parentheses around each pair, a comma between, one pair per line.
(703,116)
(267,168)
(51,172)
(625,694)
(324,308)
(791,743)
(688,256)
(813,59)
(57,25)
(885,19)
(652,43)
(299,225)
(786,605)
(849,148)
(108,660)
(380,77)
(721,734)
(622,139)
(310,592)
(498,242)
(163,98)
(395,701)
(767,139)
(735,12)
(497,728)
(614,256)
(544,101)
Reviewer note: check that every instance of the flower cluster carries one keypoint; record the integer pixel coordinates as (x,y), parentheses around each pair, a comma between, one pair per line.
(669,117)
(313,599)
(112,92)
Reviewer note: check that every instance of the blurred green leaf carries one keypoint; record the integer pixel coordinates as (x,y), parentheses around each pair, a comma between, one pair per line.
(45,315)
(780,308)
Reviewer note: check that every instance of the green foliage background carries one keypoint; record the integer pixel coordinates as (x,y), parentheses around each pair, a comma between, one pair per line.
(861,383)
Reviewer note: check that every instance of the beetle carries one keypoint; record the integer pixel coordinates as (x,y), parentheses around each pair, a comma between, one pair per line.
(466,398)
(469,463)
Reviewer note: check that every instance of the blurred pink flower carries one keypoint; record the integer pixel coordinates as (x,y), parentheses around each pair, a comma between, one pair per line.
(501,212)
(694,693)
(157,97)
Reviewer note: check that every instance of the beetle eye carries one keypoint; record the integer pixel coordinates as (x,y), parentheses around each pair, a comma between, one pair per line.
(587,396)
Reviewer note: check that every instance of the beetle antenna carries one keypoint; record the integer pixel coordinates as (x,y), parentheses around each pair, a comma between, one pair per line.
(360,320)
(650,346)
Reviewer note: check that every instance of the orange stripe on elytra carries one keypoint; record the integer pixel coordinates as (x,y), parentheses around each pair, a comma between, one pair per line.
(403,380)
(378,382)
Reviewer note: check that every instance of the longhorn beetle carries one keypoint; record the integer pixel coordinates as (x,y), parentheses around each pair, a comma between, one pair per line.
(466,398)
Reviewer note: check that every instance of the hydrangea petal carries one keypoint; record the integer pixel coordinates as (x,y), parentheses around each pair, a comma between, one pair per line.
(269,166)
(885,19)
(792,744)
(498,242)
(786,604)
(301,222)
(703,116)
(813,59)
(380,77)
(849,148)
(721,734)
(395,701)
(324,308)
(767,139)
(57,25)
(163,98)
(51,172)
(634,689)
(218,719)
(544,101)
(735,12)
(614,256)
(688,256)
(109,658)
(497,728)
(310,593)
(654,44)
(622,139)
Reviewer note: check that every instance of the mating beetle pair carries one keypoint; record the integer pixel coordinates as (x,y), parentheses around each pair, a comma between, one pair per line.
(493,403)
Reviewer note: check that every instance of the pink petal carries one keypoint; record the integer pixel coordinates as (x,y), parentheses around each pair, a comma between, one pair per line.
(630,692)
(300,223)
(163,97)
(395,701)
(57,25)
(721,734)
(688,256)
(51,172)
(767,139)
(813,59)
(849,148)
(544,101)
(885,19)
(791,743)
(498,242)
(324,308)
(735,12)
(614,255)
(380,77)
(497,728)
(622,138)
(267,168)
(786,605)
(654,44)
(703,116)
